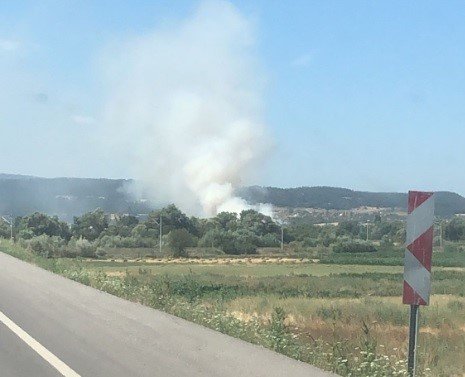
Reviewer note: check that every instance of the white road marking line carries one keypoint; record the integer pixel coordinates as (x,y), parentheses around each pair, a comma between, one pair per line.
(54,361)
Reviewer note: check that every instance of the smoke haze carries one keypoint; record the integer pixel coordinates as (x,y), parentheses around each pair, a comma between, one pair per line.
(185,104)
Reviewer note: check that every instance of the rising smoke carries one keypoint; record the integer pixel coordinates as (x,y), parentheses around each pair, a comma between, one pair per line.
(185,104)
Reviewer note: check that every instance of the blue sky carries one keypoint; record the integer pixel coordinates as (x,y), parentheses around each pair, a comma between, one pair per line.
(363,94)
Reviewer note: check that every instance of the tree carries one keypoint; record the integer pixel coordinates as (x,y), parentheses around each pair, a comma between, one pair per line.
(226,220)
(40,224)
(127,220)
(4,229)
(90,225)
(212,238)
(172,218)
(385,228)
(327,235)
(123,226)
(348,228)
(179,240)
(245,242)
(269,240)
(258,223)
(142,231)
(455,229)
(201,226)
(299,232)
(241,241)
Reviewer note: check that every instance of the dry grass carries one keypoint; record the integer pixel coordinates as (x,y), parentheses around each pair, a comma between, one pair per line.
(337,318)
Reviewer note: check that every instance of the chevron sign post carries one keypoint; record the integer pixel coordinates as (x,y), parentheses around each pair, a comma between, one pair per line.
(417,267)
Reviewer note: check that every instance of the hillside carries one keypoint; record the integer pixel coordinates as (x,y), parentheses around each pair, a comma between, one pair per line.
(64,197)
(68,197)
(14,176)
(447,203)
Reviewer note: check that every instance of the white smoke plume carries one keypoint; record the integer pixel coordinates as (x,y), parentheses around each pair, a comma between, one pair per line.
(185,104)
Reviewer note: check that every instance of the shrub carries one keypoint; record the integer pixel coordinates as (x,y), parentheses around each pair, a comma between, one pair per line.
(47,246)
(90,225)
(240,241)
(26,234)
(244,242)
(269,240)
(179,240)
(278,334)
(126,242)
(101,252)
(354,247)
(386,241)
(4,229)
(82,247)
(310,242)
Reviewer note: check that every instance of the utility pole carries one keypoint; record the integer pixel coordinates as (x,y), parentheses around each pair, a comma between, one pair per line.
(160,224)
(281,225)
(367,230)
(161,230)
(10,222)
(441,245)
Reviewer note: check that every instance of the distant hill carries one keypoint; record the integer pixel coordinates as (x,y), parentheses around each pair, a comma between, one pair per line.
(15,176)
(447,203)
(65,197)
(68,197)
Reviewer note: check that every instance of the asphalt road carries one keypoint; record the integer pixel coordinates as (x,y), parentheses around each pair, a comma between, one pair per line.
(95,334)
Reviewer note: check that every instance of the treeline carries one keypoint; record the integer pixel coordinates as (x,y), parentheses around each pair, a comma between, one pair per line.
(348,236)
(92,233)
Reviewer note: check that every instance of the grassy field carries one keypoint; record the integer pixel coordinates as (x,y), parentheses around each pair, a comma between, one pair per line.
(347,318)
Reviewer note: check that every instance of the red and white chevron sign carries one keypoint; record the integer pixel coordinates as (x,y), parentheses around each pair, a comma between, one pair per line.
(417,268)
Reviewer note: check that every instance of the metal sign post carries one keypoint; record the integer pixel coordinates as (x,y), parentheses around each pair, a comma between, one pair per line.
(417,267)
(412,339)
